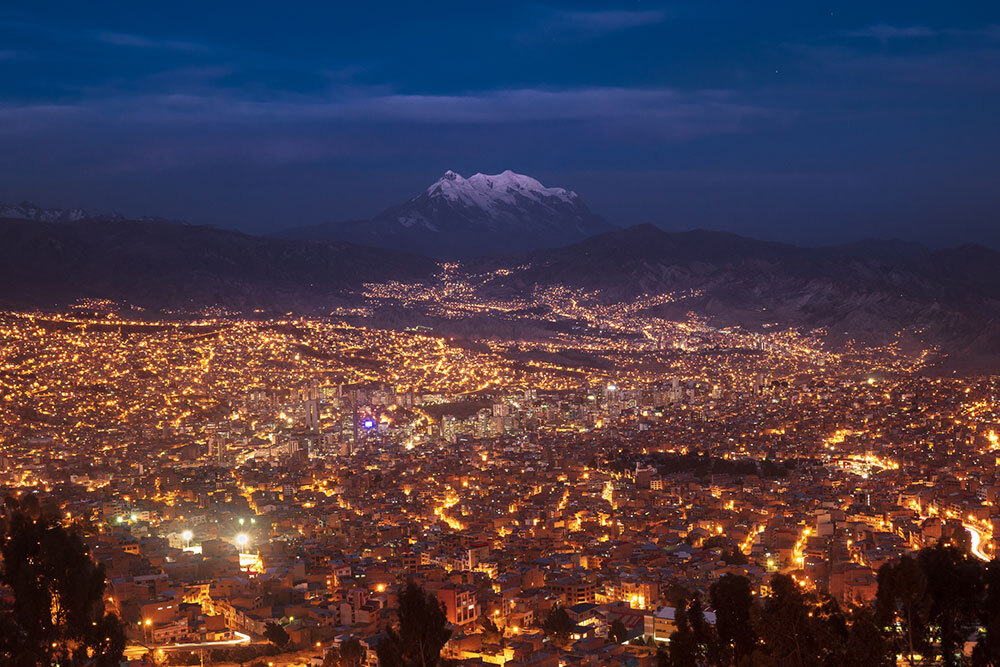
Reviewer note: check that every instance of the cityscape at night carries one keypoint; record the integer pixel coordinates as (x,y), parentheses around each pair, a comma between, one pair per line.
(717,385)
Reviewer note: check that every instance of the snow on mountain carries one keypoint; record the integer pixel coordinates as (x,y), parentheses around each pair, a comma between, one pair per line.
(486,191)
(28,211)
(481,215)
(491,204)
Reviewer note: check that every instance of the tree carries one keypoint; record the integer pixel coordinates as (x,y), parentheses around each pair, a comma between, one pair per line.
(693,642)
(705,639)
(735,557)
(558,624)
(933,602)
(955,585)
(57,613)
(866,644)
(902,602)
(274,633)
(421,632)
(349,654)
(491,633)
(785,624)
(987,650)
(732,600)
(617,633)
(683,652)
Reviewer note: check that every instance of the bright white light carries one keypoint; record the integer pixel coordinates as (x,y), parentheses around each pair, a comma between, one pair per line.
(187,535)
(242,539)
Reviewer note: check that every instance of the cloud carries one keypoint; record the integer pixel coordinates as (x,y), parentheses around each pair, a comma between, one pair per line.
(572,25)
(600,22)
(682,113)
(173,129)
(136,41)
(884,32)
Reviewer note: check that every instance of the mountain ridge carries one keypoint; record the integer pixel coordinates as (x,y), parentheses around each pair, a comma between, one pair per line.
(457,217)
(948,297)
(874,290)
(173,265)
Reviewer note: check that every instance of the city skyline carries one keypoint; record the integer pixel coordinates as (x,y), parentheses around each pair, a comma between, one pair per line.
(531,334)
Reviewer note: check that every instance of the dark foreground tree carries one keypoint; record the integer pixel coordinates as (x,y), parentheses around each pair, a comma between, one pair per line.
(866,644)
(732,600)
(421,631)
(694,642)
(276,634)
(57,612)
(987,650)
(785,624)
(903,605)
(932,602)
(955,586)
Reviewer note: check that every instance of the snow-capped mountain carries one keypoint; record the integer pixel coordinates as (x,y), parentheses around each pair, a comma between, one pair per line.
(28,211)
(480,215)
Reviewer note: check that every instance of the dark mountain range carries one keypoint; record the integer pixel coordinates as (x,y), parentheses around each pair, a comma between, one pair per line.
(870,291)
(481,215)
(169,265)
(875,291)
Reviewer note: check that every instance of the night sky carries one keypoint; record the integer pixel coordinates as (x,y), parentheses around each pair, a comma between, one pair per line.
(796,121)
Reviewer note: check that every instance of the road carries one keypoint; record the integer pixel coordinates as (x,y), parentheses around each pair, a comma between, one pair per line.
(133,652)
(976,546)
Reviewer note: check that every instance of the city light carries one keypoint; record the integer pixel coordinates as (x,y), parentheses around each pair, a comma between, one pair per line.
(491,452)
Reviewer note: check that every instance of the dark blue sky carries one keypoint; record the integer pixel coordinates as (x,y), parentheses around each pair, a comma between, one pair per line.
(796,121)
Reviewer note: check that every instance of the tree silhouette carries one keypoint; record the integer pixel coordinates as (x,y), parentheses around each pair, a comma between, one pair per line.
(987,650)
(276,634)
(558,624)
(693,642)
(954,583)
(349,654)
(866,644)
(421,632)
(785,624)
(902,602)
(57,613)
(732,600)
(491,633)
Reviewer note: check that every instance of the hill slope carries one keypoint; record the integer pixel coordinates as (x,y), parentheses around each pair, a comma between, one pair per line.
(172,265)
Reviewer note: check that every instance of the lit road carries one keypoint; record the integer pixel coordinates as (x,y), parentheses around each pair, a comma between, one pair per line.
(138,651)
(976,546)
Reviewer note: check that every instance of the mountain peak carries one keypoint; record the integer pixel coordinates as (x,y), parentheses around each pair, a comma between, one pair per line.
(28,211)
(481,214)
(489,191)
